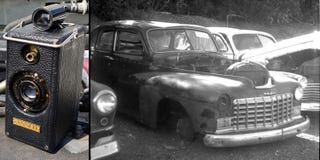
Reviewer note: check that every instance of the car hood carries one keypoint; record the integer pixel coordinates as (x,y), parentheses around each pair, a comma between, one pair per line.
(295,47)
(200,87)
(208,87)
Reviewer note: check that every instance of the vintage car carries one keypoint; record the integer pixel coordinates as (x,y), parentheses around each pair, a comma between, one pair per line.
(103,108)
(159,70)
(234,42)
(300,55)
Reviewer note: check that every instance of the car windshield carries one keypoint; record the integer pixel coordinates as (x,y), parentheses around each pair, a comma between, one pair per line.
(180,40)
(250,41)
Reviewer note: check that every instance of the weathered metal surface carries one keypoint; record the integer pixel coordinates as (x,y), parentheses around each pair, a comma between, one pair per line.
(286,47)
(188,81)
(240,139)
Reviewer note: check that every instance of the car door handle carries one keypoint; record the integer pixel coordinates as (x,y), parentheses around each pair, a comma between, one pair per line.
(109,57)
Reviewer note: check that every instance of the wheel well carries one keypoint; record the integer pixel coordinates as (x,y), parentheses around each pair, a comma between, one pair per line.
(167,107)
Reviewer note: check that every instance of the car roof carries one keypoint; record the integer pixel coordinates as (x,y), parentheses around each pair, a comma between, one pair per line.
(146,25)
(233,31)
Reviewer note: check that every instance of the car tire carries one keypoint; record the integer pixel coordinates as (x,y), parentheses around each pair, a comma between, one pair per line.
(185,129)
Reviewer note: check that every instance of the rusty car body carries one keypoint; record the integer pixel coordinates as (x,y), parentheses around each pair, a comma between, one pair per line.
(102,139)
(158,70)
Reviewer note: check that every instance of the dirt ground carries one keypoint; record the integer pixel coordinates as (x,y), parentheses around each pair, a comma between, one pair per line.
(138,142)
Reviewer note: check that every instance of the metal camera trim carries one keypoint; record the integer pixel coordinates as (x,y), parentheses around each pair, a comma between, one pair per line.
(74,34)
(30,53)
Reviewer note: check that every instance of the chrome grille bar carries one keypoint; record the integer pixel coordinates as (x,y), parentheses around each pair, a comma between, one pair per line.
(312,93)
(264,111)
(247,113)
(278,112)
(255,115)
(238,109)
(272,111)
(284,108)
(258,112)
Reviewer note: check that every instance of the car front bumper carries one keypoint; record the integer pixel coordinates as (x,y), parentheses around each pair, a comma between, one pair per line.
(104,147)
(242,139)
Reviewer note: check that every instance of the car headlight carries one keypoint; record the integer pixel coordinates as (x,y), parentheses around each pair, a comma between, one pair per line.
(303,82)
(224,102)
(105,102)
(298,93)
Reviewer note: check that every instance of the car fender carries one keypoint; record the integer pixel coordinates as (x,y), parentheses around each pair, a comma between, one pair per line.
(182,87)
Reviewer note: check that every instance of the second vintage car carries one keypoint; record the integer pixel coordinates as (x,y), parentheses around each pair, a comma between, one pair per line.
(159,70)
(234,42)
(299,55)
(102,139)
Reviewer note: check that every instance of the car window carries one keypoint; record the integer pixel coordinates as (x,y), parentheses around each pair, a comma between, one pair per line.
(265,40)
(201,41)
(105,41)
(246,41)
(160,40)
(222,46)
(180,40)
(129,43)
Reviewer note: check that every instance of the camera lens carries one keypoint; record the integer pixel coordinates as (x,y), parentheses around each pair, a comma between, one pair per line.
(29,92)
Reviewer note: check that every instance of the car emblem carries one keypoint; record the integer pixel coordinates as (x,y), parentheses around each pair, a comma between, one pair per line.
(269,93)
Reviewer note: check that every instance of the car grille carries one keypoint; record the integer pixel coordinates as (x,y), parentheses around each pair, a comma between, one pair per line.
(311,93)
(262,112)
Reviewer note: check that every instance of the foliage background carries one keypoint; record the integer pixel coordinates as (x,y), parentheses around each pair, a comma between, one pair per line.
(290,17)
(259,11)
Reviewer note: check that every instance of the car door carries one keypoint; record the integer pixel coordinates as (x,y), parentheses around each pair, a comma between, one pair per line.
(224,49)
(102,48)
(131,58)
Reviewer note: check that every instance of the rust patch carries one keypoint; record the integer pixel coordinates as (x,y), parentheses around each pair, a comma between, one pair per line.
(206,113)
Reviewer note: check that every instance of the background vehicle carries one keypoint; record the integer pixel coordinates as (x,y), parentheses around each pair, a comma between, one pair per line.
(300,55)
(103,109)
(278,56)
(160,70)
(240,41)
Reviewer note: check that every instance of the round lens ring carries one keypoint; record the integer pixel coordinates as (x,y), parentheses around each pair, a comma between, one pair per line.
(29,91)
(42,19)
(46,17)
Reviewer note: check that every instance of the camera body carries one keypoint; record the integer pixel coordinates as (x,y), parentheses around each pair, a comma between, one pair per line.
(43,83)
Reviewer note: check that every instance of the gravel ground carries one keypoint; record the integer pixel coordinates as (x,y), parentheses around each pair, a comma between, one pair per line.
(139,142)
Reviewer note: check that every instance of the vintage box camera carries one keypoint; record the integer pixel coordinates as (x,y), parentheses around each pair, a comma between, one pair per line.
(44,64)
